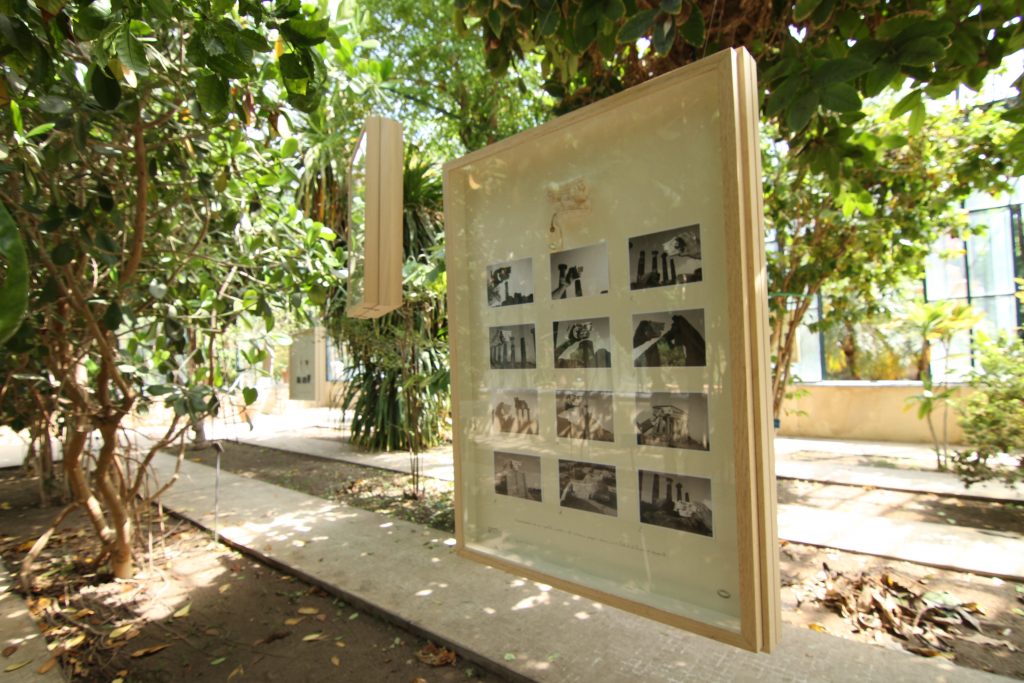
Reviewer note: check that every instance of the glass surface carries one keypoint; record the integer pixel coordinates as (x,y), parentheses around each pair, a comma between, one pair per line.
(357,224)
(945,270)
(584,456)
(990,254)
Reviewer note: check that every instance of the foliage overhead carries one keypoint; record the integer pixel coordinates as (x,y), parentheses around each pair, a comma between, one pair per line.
(818,59)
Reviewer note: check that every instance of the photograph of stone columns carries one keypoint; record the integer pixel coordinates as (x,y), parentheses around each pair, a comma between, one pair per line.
(587,486)
(669,339)
(517,475)
(514,411)
(513,347)
(510,283)
(676,501)
(580,272)
(584,415)
(584,343)
(669,257)
(672,420)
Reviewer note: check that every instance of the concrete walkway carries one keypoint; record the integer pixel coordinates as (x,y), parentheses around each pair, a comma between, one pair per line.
(17,629)
(410,574)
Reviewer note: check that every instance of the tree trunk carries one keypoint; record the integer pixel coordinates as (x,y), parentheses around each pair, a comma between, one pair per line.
(850,351)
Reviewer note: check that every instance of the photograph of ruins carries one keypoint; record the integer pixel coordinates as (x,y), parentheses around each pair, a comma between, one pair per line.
(587,486)
(514,411)
(584,415)
(669,257)
(579,272)
(513,347)
(510,283)
(517,475)
(676,501)
(669,339)
(672,420)
(582,343)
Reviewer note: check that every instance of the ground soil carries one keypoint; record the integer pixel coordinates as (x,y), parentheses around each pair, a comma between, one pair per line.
(220,624)
(199,611)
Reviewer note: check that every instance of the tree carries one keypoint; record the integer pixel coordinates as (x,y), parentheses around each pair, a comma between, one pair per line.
(143,174)
(818,61)
(854,246)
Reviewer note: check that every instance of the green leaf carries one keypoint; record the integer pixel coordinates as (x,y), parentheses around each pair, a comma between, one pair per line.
(800,112)
(249,395)
(289,148)
(213,93)
(40,129)
(693,28)
(90,21)
(879,78)
(105,88)
(549,21)
(664,35)
(19,125)
(909,101)
(922,51)
(672,6)
(804,9)
(306,32)
(64,253)
(917,118)
(841,97)
(636,26)
(839,71)
(113,317)
(162,9)
(14,283)
(131,53)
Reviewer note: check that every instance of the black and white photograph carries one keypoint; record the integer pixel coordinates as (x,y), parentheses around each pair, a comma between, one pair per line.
(517,475)
(510,283)
(583,343)
(672,420)
(584,415)
(676,501)
(587,486)
(580,272)
(514,411)
(669,257)
(513,347)
(669,339)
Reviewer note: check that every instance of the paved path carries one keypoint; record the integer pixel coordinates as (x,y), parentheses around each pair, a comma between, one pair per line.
(17,628)
(409,574)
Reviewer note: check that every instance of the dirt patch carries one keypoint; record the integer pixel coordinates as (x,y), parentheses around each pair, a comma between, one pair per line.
(814,581)
(199,611)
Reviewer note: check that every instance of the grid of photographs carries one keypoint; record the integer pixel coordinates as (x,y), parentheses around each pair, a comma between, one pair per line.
(674,338)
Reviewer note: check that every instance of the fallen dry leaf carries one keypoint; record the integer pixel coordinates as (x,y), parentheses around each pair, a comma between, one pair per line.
(10,650)
(15,667)
(47,665)
(817,627)
(83,613)
(74,642)
(985,640)
(293,621)
(224,588)
(336,661)
(434,655)
(119,631)
(152,649)
(276,635)
(308,610)
(183,612)
(238,671)
(313,636)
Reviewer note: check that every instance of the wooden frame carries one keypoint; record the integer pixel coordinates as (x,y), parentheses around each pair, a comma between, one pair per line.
(375,220)
(612,438)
